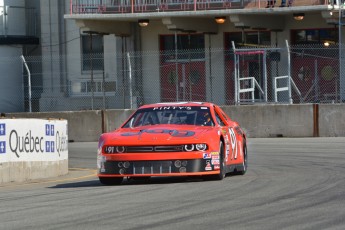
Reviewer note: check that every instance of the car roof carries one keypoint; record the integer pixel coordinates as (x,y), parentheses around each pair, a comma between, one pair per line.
(189,103)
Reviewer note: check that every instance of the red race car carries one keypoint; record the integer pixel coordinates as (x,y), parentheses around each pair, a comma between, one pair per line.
(173,139)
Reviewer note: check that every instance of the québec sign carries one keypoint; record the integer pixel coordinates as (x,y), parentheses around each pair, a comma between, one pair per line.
(33,140)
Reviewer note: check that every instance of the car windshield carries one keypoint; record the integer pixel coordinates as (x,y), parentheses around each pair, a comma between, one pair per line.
(177,115)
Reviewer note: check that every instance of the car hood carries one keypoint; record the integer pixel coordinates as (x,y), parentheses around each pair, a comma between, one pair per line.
(160,134)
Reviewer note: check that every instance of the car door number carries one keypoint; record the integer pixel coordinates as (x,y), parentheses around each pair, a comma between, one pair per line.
(233,143)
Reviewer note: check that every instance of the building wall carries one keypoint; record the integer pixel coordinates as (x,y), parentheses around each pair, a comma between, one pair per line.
(11,79)
(149,38)
(11,73)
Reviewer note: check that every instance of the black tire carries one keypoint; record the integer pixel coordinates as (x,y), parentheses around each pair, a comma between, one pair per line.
(244,167)
(111,180)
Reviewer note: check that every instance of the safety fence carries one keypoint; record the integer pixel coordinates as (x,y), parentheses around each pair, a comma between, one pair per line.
(242,75)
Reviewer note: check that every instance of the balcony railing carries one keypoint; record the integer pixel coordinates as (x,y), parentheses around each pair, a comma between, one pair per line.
(142,6)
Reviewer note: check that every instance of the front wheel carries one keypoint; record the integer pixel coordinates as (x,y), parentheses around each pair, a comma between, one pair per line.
(111,180)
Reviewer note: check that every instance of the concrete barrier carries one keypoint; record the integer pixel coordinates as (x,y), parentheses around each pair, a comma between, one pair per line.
(332,120)
(114,118)
(274,120)
(32,149)
(305,120)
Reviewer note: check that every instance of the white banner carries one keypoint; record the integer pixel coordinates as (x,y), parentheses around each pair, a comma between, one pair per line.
(33,140)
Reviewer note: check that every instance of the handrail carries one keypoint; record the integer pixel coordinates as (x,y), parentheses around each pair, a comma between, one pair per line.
(285,88)
(249,89)
(142,6)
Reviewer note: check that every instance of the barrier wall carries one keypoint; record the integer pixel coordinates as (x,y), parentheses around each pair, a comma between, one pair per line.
(332,120)
(32,149)
(274,120)
(82,125)
(306,120)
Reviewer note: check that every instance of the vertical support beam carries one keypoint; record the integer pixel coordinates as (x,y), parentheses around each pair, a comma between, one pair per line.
(104,124)
(341,57)
(289,71)
(265,77)
(236,75)
(316,120)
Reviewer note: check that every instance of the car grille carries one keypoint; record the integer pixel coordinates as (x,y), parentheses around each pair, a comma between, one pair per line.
(155,167)
(143,149)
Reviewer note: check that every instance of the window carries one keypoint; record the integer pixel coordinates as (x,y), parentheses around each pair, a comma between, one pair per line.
(314,36)
(84,87)
(219,120)
(185,42)
(92,52)
(248,37)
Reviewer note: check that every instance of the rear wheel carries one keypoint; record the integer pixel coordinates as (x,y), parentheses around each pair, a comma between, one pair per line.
(111,180)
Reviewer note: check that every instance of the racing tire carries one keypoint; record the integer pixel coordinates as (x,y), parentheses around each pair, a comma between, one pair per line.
(111,180)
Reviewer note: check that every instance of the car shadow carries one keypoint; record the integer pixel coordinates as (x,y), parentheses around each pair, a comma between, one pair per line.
(135,182)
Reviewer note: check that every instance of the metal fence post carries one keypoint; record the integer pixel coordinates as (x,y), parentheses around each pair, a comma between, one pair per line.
(289,70)
(29,82)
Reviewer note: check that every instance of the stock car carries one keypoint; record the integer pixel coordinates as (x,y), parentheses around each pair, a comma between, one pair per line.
(173,139)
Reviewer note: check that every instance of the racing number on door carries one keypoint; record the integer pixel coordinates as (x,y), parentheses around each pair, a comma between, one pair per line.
(233,143)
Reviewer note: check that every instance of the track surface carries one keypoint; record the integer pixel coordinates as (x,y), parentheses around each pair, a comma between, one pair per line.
(290,184)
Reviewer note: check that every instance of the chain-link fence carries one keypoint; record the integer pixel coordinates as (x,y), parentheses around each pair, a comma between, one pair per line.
(297,74)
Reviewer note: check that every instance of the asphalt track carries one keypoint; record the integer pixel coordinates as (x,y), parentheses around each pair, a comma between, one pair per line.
(290,184)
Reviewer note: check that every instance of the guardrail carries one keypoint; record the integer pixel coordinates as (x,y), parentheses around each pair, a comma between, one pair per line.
(141,6)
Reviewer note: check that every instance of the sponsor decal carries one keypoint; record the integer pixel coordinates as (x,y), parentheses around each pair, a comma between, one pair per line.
(208,166)
(172,108)
(216,167)
(49,143)
(233,143)
(2,129)
(174,133)
(215,162)
(50,147)
(215,157)
(49,130)
(2,133)
(61,142)
(207,156)
(33,140)
(28,142)
(2,147)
